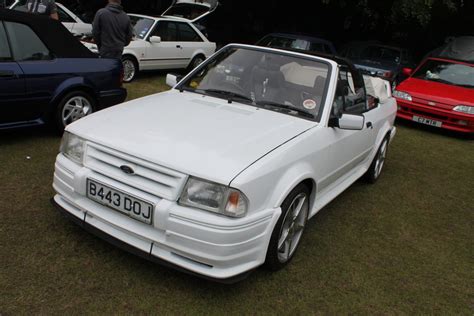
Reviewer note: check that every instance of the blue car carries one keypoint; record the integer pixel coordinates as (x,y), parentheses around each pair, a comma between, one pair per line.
(47,76)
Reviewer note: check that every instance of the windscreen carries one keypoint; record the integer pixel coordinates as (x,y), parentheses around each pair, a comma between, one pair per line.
(279,82)
(455,74)
(141,26)
(382,53)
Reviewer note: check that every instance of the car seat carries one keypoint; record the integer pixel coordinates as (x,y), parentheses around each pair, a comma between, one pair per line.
(267,81)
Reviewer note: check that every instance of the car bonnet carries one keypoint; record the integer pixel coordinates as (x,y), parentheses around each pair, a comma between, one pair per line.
(202,136)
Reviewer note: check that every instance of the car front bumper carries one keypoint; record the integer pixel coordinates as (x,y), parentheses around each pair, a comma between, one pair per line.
(112,97)
(198,242)
(455,121)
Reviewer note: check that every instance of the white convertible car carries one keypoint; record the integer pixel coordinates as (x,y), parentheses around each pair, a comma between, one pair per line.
(220,174)
(171,41)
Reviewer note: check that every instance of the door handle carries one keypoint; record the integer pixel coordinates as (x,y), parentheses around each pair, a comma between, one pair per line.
(179,46)
(370,125)
(7,74)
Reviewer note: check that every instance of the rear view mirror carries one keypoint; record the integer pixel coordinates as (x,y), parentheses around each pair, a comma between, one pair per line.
(407,71)
(155,39)
(173,79)
(348,122)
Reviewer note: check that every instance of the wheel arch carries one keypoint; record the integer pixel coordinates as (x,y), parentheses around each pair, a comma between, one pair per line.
(197,53)
(129,54)
(70,85)
(384,132)
(299,174)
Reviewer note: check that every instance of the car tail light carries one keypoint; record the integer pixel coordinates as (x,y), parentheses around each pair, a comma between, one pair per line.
(388,74)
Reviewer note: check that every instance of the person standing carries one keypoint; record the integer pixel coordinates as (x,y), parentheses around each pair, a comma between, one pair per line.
(43,7)
(112,30)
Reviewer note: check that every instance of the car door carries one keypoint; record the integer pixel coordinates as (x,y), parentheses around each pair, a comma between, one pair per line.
(12,84)
(167,54)
(190,41)
(351,148)
(41,73)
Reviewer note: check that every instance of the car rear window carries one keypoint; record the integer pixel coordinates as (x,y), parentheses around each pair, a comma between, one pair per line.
(283,42)
(20,34)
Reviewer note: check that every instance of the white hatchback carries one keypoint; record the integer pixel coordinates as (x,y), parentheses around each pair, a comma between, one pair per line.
(220,174)
(171,41)
(77,22)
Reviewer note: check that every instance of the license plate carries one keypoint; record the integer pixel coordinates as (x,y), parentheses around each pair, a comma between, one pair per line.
(426,121)
(120,201)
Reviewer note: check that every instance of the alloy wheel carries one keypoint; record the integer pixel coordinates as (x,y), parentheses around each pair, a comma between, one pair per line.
(129,70)
(75,108)
(380,159)
(293,226)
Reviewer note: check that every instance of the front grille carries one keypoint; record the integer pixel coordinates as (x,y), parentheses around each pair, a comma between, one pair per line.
(148,177)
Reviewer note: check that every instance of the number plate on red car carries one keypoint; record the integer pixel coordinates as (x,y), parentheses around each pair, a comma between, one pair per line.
(426,121)
(120,201)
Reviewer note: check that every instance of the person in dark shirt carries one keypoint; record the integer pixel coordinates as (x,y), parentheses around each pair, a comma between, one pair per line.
(43,7)
(112,30)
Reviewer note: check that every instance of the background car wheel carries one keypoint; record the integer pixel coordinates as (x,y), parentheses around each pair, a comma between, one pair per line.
(73,106)
(130,69)
(376,167)
(289,229)
(196,61)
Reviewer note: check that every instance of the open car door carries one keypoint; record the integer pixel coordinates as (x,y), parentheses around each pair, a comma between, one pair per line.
(191,10)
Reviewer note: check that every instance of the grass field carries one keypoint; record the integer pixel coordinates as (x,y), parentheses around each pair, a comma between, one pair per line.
(402,246)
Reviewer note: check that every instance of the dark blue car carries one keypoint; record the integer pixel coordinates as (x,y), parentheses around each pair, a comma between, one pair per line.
(47,76)
(297,42)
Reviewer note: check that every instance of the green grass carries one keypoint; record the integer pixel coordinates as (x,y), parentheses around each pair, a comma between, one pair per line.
(402,246)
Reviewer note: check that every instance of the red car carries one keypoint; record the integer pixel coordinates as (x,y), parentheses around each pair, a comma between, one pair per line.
(440,92)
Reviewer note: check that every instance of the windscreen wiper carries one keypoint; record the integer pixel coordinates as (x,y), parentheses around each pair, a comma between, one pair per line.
(283,106)
(231,95)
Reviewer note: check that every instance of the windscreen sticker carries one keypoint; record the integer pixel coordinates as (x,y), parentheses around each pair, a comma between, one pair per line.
(309,104)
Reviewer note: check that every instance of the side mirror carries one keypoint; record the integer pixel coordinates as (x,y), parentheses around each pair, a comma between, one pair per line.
(173,79)
(155,39)
(407,71)
(348,122)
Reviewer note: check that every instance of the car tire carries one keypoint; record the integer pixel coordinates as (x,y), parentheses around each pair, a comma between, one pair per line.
(130,69)
(72,107)
(289,229)
(376,167)
(196,61)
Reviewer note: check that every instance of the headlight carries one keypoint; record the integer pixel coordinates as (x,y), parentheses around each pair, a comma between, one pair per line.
(214,197)
(402,95)
(464,109)
(72,146)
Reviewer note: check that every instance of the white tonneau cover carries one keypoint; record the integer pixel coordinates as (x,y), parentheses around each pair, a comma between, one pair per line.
(378,88)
